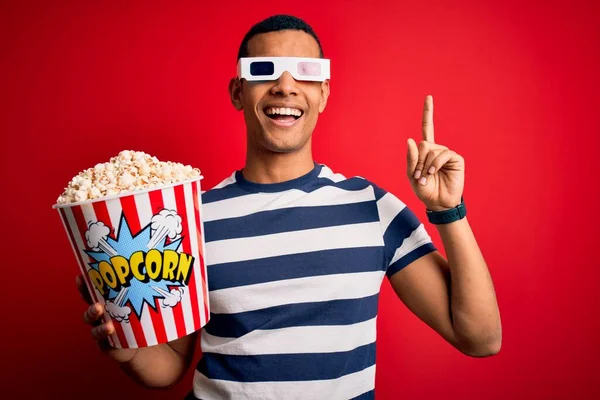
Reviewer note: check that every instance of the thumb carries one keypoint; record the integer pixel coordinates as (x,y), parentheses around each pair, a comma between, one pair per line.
(412,158)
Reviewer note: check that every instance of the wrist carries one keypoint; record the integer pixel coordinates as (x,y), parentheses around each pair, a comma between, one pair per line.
(441,215)
(437,208)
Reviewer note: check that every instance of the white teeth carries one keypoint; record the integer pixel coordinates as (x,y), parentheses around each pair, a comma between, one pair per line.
(283,111)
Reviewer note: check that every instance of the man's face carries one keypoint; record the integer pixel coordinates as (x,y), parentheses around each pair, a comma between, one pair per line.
(267,130)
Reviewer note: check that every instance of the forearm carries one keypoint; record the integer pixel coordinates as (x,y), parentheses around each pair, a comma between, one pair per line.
(158,366)
(475,316)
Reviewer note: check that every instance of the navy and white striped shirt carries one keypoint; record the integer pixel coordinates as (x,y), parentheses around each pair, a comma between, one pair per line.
(294,274)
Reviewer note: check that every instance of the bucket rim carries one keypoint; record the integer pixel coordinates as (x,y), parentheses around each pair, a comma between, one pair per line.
(128,193)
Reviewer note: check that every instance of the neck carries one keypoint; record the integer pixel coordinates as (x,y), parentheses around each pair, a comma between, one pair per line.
(263,166)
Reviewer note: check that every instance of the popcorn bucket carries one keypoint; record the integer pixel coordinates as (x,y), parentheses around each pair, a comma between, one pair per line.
(141,254)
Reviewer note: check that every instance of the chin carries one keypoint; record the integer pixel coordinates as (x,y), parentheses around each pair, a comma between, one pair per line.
(283,142)
(278,147)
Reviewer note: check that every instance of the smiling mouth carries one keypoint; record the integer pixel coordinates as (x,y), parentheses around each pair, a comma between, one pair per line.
(285,115)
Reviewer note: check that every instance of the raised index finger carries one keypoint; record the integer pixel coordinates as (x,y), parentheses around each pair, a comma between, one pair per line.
(428,119)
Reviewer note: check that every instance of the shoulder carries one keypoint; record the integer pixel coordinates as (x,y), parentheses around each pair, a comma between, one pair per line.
(355,182)
(361,182)
(225,189)
(229,180)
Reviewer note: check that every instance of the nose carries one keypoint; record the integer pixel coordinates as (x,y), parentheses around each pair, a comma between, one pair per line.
(285,85)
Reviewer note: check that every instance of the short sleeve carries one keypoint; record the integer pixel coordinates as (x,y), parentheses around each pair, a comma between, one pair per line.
(404,235)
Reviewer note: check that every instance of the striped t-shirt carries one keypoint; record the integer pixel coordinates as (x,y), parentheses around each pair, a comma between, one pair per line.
(294,274)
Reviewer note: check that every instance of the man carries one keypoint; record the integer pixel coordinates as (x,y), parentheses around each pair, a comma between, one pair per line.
(296,253)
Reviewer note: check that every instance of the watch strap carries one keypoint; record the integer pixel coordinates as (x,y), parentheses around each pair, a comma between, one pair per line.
(448,216)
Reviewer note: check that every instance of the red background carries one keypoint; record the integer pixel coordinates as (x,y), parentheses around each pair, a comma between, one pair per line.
(515,86)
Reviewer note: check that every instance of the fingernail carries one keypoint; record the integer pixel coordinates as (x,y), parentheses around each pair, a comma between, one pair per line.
(417,174)
(423,181)
(94,310)
(431,169)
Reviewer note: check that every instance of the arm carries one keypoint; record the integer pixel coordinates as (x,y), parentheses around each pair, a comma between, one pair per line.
(163,365)
(159,366)
(455,297)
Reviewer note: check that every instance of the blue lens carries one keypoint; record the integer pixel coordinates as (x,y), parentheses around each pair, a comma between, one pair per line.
(262,68)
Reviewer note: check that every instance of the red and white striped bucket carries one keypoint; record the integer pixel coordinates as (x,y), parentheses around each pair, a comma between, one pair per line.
(142,256)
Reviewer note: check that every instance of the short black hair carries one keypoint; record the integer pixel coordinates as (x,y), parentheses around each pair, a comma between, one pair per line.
(277,23)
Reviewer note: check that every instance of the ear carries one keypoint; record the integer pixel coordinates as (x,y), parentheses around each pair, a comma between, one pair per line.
(324,95)
(235,93)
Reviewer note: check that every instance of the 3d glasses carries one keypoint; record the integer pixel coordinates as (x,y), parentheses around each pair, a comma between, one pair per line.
(271,68)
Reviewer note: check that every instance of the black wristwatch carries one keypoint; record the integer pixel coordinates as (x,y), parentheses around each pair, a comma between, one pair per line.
(447,216)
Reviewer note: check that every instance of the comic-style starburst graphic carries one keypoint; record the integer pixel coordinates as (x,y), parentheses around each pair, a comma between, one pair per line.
(137,293)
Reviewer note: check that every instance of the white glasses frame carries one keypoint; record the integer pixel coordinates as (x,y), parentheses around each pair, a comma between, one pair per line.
(293,65)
